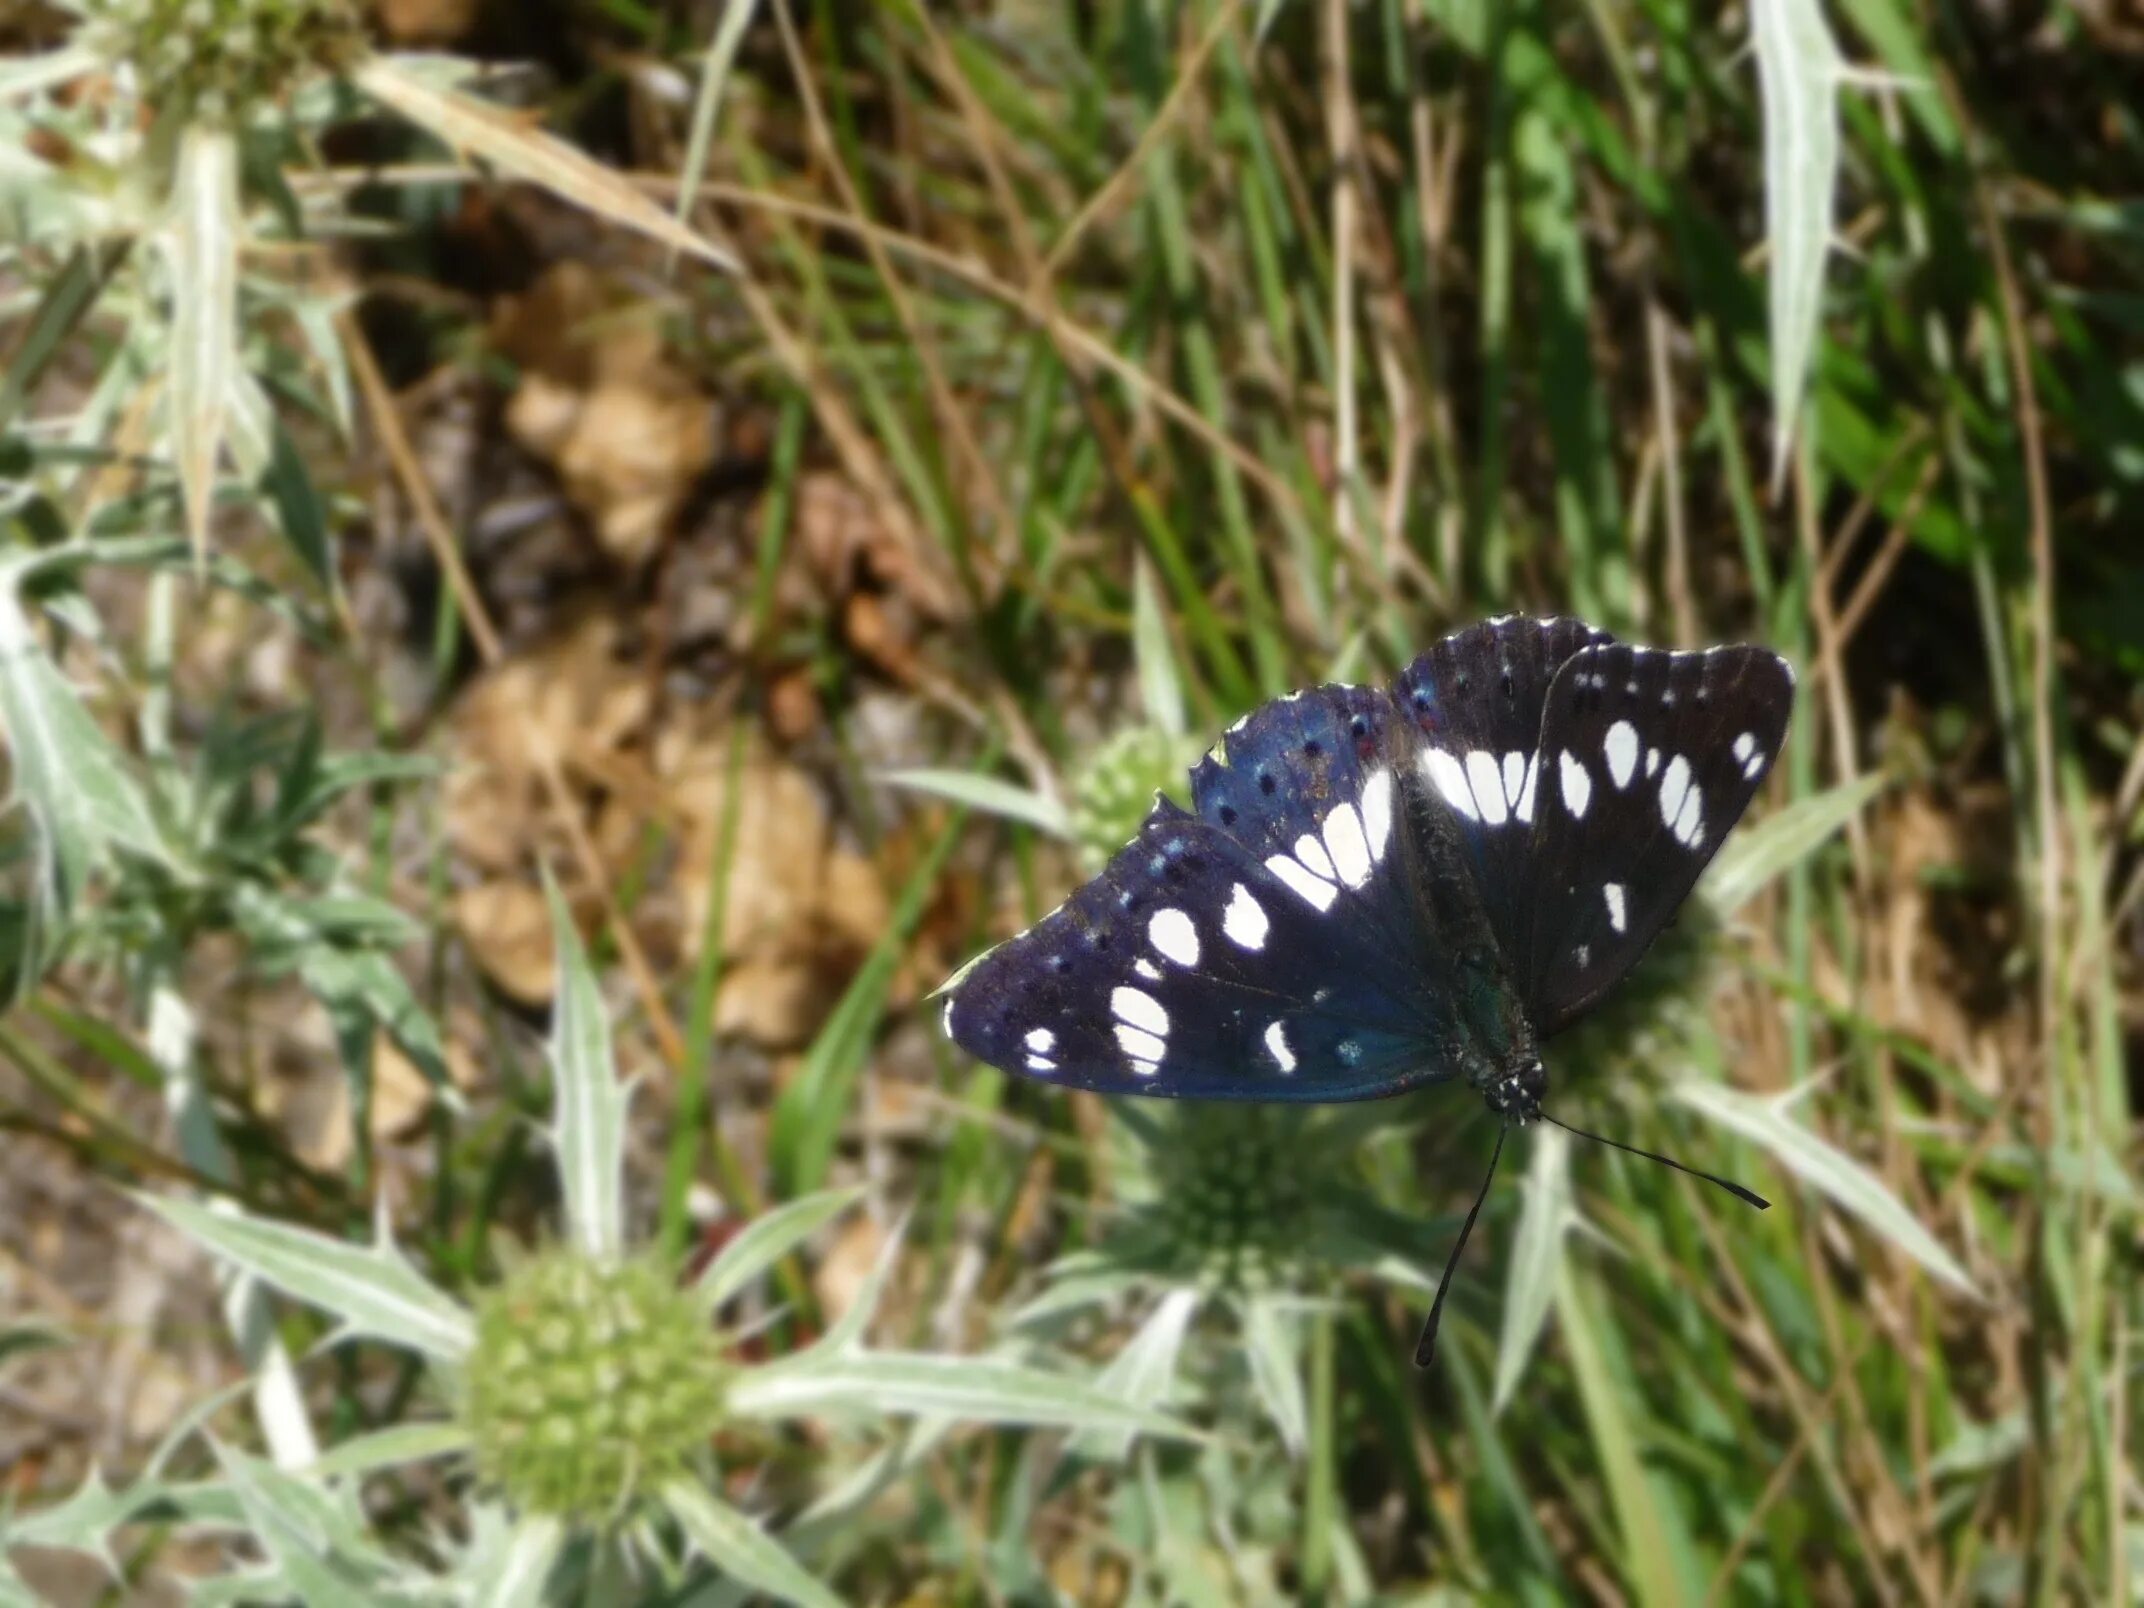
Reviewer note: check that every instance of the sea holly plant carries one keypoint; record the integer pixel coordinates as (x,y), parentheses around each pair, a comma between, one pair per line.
(1246,1216)
(203,107)
(581,1395)
(1237,1233)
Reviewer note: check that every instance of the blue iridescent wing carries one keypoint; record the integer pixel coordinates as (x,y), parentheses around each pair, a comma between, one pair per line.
(1647,760)
(1279,942)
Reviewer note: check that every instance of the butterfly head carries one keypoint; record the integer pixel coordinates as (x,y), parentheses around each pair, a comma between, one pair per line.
(1516,1094)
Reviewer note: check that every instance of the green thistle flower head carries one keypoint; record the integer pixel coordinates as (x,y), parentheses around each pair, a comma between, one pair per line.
(589,1384)
(1233,1192)
(1117,788)
(217,61)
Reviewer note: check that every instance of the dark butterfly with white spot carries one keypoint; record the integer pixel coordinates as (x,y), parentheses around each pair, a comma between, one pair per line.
(1374,890)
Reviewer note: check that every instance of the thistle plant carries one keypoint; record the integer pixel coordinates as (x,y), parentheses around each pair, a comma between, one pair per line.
(582,1394)
(205,106)
(1246,1217)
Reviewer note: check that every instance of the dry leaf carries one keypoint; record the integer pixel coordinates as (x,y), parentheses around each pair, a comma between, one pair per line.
(508,930)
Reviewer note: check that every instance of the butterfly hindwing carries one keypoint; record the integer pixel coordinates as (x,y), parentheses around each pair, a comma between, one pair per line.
(1266,947)
(1188,970)
(1647,760)
(1476,698)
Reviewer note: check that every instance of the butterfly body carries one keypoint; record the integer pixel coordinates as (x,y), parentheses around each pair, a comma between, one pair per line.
(1377,889)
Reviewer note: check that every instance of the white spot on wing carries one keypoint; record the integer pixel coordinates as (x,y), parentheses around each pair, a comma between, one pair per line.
(1514,779)
(1349,848)
(1147,969)
(1524,808)
(1041,1063)
(1245,921)
(1621,748)
(1583,954)
(1674,788)
(1377,812)
(1277,1046)
(1041,1040)
(1613,892)
(1171,932)
(1140,1009)
(1750,754)
(1451,780)
(1577,783)
(1652,762)
(1690,819)
(1488,788)
(1312,853)
(1315,890)
(1144,1048)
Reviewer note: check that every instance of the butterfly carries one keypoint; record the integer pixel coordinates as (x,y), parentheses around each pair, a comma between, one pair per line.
(1377,889)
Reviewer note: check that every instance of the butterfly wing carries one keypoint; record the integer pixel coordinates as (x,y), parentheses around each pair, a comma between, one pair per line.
(1274,945)
(1476,699)
(1647,760)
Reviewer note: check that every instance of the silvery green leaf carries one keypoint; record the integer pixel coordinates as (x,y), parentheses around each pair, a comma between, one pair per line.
(739,1548)
(988,794)
(392,1447)
(24,76)
(1269,1346)
(588,1128)
(767,1239)
(83,1522)
(1536,1256)
(514,1576)
(202,247)
(372,1291)
(1140,1374)
(904,1384)
(1826,1168)
(1161,689)
(317,1537)
(1798,72)
(846,1332)
(1077,1283)
(1977,1448)
(1755,856)
(67,773)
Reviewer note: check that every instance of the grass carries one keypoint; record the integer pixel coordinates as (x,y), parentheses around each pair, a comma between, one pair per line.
(1342,324)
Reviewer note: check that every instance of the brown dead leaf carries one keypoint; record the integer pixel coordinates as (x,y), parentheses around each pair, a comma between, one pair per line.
(425,22)
(582,693)
(626,429)
(507,926)
(803,909)
(848,546)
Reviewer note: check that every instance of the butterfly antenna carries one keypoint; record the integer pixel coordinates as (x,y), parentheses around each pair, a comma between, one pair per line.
(1425,1351)
(1729,1185)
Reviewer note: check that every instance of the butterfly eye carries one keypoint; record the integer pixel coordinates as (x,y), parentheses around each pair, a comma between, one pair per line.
(1360,725)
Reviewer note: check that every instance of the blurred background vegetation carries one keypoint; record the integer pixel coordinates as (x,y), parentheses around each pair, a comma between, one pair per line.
(803,471)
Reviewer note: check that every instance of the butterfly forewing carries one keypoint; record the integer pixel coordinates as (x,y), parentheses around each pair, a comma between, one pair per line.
(1647,760)
(1476,699)
(1267,947)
